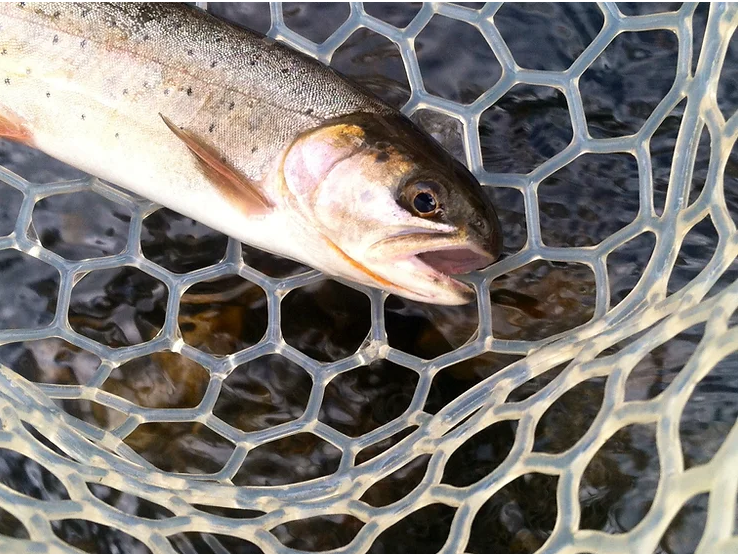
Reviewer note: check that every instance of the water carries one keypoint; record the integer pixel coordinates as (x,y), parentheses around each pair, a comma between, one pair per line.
(580,205)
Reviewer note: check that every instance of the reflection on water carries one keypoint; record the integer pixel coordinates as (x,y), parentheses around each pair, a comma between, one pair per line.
(9,208)
(455,75)
(118,307)
(76,235)
(363,399)
(620,482)
(318,534)
(621,89)
(263,393)
(28,291)
(387,79)
(518,518)
(180,244)
(579,205)
(530,120)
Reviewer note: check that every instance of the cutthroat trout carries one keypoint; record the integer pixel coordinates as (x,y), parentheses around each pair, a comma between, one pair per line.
(247,136)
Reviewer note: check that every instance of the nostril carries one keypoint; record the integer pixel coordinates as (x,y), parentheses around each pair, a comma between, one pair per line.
(480,224)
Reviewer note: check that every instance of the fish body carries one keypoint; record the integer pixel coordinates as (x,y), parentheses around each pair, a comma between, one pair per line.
(245,135)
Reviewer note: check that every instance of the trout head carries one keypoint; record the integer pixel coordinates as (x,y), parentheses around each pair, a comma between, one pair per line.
(388,207)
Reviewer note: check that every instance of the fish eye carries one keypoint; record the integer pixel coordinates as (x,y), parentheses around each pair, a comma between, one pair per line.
(422,198)
(425,203)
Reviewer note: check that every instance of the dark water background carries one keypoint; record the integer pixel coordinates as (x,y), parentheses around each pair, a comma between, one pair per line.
(580,205)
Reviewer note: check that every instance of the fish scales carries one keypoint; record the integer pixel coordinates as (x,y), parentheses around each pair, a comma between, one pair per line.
(169,58)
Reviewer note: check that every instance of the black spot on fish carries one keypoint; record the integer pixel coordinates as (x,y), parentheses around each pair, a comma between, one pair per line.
(382,157)
(56,39)
(213,64)
(146,84)
(82,44)
(309,111)
(57,14)
(218,39)
(231,105)
(252,62)
(254,149)
(285,70)
(125,91)
(7,81)
(4,52)
(117,135)
(212,126)
(48,95)
(166,92)
(83,117)
(85,12)
(190,52)
(189,91)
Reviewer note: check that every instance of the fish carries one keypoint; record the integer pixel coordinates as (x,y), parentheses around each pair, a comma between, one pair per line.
(247,136)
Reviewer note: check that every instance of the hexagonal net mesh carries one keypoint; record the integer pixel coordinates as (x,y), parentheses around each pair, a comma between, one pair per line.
(507,441)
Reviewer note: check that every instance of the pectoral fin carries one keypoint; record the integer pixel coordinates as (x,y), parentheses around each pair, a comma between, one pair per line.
(227,178)
(13,128)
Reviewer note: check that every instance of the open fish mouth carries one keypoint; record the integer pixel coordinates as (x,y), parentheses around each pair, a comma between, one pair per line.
(436,258)
(456,261)
(443,264)
(448,253)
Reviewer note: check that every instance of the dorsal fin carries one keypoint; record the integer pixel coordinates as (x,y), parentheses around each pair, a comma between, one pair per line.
(221,173)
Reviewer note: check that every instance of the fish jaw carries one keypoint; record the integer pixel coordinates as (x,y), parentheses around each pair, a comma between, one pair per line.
(422,265)
(428,284)
(408,277)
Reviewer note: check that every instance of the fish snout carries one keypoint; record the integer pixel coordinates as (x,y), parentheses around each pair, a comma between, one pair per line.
(486,234)
(482,247)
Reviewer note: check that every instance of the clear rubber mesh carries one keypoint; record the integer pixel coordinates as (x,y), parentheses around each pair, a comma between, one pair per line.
(608,347)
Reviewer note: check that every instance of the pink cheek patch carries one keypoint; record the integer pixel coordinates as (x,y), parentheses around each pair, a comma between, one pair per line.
(312,158)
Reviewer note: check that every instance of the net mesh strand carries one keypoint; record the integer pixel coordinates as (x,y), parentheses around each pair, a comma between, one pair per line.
(609,346)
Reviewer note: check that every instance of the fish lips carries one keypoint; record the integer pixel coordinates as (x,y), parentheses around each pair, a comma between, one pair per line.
(440,256)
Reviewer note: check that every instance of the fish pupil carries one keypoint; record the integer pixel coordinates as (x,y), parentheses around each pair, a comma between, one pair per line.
(424,202)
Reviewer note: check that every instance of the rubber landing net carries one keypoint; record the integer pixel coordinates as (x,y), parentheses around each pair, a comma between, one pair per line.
(101,479)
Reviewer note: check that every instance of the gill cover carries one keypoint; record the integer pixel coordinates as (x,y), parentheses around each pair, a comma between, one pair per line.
(333,175)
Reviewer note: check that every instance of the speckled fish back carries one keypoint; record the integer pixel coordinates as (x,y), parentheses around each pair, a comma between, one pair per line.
(240,90)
